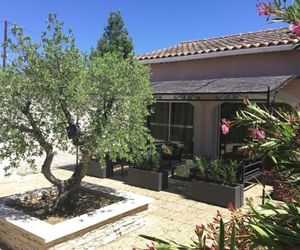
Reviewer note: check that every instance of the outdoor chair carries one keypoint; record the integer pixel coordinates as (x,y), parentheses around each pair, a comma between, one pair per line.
(249,169)
(170,152)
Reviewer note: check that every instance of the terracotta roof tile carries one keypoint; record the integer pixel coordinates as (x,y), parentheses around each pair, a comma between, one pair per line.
(265,38)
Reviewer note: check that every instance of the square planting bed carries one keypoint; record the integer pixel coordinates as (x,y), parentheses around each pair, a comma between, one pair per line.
(88,231)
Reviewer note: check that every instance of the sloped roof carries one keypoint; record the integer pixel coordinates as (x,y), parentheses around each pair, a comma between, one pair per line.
(222,85)
(266,38)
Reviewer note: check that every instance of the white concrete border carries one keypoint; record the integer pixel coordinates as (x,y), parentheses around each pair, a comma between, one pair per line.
(46,233)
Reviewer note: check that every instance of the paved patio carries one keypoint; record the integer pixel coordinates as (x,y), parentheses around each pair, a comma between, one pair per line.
(171,216)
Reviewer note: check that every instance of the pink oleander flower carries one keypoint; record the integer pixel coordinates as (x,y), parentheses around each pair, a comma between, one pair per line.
(225,125)
(295,28)
(264,9)
(225,129)
(258,134)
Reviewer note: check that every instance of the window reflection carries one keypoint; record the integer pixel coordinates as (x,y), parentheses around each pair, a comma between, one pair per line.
(173,122)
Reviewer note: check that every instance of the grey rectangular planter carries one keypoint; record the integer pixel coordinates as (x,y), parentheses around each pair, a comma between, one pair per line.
(217,194)
(147,179)
(96,170)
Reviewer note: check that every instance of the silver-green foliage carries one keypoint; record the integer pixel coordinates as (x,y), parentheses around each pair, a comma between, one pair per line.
(50,85)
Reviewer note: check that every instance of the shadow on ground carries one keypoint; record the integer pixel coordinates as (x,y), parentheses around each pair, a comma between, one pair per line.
(180,186)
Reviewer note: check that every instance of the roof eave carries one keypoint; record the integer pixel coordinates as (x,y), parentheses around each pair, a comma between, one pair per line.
(219,54)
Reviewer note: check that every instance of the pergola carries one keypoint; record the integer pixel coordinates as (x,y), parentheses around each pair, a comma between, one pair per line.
(258,89)
(229,89)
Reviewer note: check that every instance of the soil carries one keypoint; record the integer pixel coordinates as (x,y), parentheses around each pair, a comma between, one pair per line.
(84,201)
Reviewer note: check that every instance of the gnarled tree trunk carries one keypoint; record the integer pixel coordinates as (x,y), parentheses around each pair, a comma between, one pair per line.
(66,188)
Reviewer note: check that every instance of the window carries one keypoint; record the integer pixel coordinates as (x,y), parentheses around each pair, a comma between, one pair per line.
(173,122)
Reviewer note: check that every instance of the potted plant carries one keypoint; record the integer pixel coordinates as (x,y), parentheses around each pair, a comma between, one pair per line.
(146,172)
(215,182)
(99,168)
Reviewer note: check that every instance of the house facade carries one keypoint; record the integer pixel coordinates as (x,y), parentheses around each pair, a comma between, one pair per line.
(195,82)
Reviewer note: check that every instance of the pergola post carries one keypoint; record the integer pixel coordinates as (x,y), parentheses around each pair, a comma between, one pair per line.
(264,179)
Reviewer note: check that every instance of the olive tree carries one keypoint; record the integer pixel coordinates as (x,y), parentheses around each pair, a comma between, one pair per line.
(53,97)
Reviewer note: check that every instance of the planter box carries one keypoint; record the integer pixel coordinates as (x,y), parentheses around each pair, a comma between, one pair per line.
(147,179)
(99,171)
(217,194)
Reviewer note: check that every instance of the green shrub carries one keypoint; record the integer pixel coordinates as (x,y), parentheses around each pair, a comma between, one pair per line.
(150,160)
(218,170)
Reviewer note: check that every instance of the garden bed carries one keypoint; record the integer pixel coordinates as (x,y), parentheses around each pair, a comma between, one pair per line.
(37,204)
(97,226)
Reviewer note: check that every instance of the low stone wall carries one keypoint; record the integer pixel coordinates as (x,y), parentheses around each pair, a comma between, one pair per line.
(103,235)
(20,231)
(15,238)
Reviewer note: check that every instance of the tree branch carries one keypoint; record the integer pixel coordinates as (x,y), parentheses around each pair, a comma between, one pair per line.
(63,104)
(38,135)
(107,106)
(36,132)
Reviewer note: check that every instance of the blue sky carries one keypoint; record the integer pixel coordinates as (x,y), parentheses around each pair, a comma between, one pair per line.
(153,24)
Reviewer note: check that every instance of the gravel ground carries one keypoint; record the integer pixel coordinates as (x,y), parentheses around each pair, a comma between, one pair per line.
(60,159)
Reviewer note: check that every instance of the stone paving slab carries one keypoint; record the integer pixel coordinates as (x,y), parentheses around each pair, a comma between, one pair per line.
(171,216)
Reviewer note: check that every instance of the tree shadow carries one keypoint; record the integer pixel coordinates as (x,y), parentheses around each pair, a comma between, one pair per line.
(36,203)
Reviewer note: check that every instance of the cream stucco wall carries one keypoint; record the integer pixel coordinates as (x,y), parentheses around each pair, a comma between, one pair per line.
(206,113)
(290,93)
(267,64)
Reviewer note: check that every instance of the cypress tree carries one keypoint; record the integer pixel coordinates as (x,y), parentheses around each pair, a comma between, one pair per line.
(115,38)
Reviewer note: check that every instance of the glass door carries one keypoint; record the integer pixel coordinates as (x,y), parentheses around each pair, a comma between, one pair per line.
(174,122)
(182,126)
(160,121)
